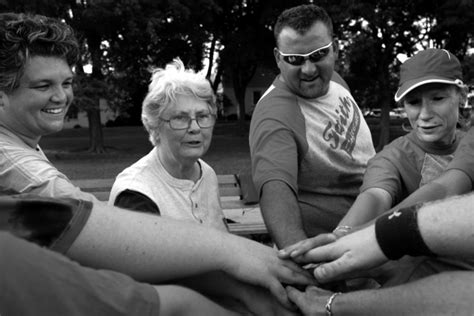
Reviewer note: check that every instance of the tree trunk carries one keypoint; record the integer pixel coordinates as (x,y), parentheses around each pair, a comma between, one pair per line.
(96,139)
(211,58)
(385,102)
(241,79)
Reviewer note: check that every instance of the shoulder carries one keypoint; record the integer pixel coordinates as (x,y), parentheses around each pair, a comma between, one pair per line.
(338,79)
(278,107)
(207,170)
(276,101)
(399,147)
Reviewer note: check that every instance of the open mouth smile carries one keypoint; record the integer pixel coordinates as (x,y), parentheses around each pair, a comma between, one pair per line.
(53,110)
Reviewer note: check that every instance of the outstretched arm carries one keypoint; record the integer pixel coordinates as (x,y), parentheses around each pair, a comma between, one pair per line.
(368,205)
(445,227)
(156,249)
(451,182)
(281,213)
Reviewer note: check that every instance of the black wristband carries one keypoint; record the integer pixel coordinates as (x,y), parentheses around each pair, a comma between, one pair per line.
(397,234)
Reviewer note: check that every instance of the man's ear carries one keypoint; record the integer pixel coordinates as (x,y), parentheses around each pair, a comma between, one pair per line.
(276,53)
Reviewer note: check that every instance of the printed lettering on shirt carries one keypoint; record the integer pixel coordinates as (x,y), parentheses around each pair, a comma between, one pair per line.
(343,132)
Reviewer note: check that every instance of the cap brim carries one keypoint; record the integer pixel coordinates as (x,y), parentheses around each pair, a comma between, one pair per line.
(415,83)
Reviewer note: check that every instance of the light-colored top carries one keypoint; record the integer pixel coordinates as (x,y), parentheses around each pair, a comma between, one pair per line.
(180,199)
(24,169)
(319,147)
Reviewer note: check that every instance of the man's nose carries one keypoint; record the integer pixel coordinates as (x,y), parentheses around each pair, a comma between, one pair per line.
(308,67)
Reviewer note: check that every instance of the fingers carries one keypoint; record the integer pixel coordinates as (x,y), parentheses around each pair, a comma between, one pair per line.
(334,270)
(294,274)
(294,295)
(277,289)
(298,249)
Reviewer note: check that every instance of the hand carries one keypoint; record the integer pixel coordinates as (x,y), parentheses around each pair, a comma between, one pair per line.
(297,250)
(172,297)
(347,257)
(259,301)
(311,302)
(258,264)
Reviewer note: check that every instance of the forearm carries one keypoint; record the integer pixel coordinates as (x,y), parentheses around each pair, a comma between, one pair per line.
(177,300)
(281,213)
(448,293)
(215,283)
(152,254)
(368,205)
(223,288)
(447,226)
(450,183)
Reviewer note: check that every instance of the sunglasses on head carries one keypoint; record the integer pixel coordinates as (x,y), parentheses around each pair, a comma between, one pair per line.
(314,56)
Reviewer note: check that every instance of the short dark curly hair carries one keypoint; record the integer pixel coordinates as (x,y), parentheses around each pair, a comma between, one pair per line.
(23,36)
(301,18)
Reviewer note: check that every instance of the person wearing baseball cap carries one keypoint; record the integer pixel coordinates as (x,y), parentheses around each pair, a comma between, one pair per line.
(431,91)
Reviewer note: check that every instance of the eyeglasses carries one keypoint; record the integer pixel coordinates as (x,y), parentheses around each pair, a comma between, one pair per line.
(314,56)
(180,122)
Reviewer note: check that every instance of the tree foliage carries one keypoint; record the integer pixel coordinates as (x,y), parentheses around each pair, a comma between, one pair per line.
(122,40)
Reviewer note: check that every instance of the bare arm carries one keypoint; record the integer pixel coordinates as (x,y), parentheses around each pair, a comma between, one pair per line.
(451,182)
(173,296)
(222,287)
(445,226)
(448,293)
(155,249)
(368,205)
(281,213)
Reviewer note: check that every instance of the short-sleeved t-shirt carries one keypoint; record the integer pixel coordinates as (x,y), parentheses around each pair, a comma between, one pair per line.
(464,156)
(319,147)
(48,222)
(37,281)
(24,169)
(406,164)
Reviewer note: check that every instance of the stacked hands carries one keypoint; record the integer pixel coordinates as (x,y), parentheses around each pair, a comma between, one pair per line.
(334,256)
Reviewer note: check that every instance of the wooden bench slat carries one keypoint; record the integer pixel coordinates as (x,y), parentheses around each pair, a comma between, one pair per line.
(94,183)
(247,229)
(231,191)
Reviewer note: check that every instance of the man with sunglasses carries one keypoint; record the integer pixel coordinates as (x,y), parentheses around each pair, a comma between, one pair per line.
(308,139)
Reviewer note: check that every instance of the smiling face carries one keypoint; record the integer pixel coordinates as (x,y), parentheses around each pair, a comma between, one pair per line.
(183,147)
(38,105)
(433,111)
(309,80)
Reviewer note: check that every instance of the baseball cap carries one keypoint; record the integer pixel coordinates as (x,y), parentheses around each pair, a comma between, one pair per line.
(428,66)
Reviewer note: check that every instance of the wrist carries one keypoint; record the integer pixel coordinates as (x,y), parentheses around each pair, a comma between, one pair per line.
(397,234)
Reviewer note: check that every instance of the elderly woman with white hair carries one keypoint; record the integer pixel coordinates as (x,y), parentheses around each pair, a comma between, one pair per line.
(172,180)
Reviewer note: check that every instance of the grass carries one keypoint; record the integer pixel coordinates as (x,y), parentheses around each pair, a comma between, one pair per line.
(228,153)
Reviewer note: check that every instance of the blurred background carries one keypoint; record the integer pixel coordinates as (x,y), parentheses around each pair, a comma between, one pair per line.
(231,43)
